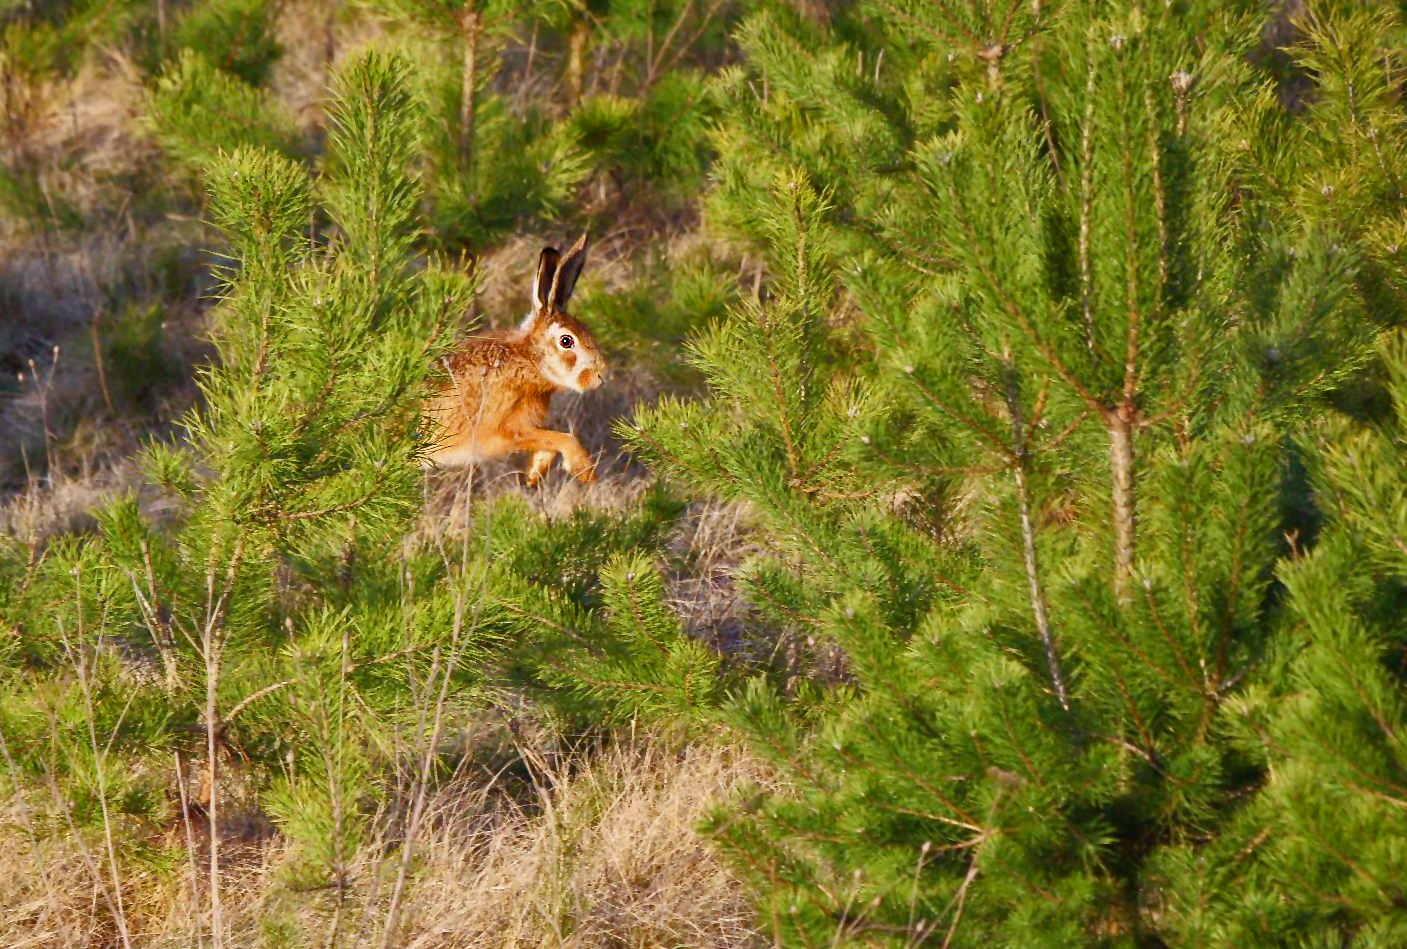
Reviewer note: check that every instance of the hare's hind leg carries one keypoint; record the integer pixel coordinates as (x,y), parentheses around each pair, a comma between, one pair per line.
(538,467)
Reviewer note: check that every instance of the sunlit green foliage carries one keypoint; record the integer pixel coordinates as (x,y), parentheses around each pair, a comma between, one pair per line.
(1016,405)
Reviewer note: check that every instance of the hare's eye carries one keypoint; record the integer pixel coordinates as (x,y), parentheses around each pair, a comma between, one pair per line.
(566,342)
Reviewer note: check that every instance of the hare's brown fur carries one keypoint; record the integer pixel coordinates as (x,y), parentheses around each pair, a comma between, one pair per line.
(499,383)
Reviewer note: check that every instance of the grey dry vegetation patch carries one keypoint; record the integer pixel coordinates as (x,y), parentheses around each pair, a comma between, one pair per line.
(40,512)
(710,542)
(61,399)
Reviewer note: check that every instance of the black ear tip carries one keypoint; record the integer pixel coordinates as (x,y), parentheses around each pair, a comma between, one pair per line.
(579,248)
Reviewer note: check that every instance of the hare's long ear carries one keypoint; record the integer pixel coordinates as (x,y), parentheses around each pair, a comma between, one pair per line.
(568,272)
(545,279)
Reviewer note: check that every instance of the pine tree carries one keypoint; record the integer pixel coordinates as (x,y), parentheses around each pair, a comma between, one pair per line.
(1016,410)
(463,23)
(1330,821)
(196,111)
(645,119)
(488,167)
(210,91)
(583,601)
(238,37)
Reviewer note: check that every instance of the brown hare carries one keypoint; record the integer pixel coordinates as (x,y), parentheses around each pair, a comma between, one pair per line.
(500,382)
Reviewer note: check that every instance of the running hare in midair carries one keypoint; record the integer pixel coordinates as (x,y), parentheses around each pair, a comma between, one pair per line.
(500,382)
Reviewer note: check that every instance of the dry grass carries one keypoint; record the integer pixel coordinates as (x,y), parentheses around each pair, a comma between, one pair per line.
(603,857)
(589,850)
(83,138)
(41,512)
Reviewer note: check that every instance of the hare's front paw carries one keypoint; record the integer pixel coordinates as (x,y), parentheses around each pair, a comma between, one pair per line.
(539,466)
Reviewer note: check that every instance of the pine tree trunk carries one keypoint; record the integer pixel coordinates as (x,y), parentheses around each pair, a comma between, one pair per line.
(1125,515)
(211,787)
(1033,577)
(577,45)
(1040,610)
(469,81)
(329,42)
(329,57)
(95,328)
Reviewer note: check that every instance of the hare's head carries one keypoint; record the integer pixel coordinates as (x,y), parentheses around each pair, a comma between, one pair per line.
(566,353)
